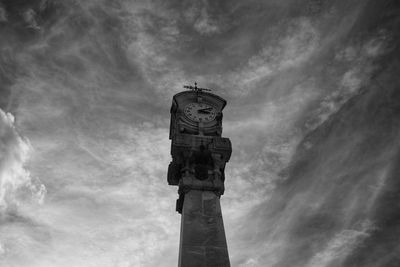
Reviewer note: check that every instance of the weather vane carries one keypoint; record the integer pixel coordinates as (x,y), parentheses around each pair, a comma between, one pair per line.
(195,88)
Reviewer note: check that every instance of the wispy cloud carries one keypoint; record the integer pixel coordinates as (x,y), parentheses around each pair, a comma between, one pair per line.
(3,14)
(340,246)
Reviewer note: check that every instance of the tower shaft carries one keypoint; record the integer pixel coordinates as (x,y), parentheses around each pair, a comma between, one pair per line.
(203,241)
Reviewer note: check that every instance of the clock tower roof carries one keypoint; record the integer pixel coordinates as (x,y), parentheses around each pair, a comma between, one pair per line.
(193,96)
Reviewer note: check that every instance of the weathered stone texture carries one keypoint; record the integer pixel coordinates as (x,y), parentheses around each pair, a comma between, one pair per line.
(203,241)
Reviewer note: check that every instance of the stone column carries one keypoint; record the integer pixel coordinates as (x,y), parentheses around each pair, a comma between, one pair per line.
(203,241)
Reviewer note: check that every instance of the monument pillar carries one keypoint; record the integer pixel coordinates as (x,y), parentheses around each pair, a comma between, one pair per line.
(203,241)
(199,155)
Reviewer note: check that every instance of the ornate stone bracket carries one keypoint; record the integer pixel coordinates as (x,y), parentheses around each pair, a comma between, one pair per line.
(198,164)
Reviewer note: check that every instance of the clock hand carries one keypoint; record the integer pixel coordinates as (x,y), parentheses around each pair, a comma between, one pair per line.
(205,109)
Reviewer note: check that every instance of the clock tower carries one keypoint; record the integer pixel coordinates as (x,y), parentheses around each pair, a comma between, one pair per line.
(199,155)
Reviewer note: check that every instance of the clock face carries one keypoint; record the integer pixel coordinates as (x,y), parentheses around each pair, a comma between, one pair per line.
(200,112)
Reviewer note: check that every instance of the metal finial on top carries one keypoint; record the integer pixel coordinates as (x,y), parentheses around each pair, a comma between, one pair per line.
(195,88)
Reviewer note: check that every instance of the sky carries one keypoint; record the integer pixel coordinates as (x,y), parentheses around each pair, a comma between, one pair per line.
(313,114)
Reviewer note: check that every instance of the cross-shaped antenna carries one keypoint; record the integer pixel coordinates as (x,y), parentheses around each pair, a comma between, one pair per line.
(195,88)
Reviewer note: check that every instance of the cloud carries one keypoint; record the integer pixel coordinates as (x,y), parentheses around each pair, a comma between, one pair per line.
(13,175)
(30,18)
(159,37)
(341,245)
(3,14)
(123,215)
(203,22)
(109,190)
(19,191)
(360,65)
